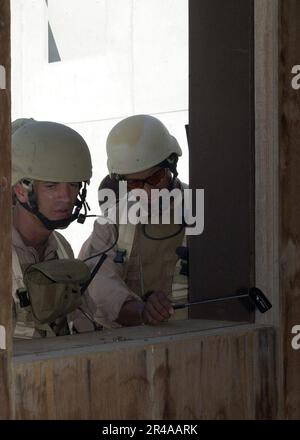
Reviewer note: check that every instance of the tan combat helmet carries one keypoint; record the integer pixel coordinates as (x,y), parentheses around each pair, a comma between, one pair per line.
(138,143)
(50,152)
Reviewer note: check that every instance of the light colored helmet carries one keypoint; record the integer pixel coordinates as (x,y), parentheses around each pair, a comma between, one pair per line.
(50,152)
(18,123)
(138,143)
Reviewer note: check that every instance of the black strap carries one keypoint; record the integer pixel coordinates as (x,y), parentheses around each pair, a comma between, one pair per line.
(95,270)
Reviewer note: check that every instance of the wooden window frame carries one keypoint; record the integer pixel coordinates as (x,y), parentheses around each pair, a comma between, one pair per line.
(276,225)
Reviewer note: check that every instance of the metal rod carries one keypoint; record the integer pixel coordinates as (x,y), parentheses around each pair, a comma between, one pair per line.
(207,301)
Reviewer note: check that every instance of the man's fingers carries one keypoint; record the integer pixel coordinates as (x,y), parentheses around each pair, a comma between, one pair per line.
(161,308)
(161,303)
(157,308)
(147,318)
(153,314)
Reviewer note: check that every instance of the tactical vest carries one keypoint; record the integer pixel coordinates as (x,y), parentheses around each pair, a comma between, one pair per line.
(153,265)
(25,326)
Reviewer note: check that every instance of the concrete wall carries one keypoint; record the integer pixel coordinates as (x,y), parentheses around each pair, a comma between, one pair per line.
(118,58)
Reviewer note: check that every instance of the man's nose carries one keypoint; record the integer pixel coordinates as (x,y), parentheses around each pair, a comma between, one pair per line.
(65,192)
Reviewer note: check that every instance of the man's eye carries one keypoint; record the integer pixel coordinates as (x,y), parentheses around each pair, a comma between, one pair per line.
(75,185)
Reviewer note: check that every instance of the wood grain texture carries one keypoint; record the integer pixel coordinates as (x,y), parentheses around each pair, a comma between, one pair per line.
(213,374)
(267,170)
(267,154)
(289,117)
(5,210)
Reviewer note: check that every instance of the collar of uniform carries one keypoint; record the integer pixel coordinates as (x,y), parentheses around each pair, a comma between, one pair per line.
(17,241)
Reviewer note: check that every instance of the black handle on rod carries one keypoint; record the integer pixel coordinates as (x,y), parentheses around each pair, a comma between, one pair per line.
(255,295)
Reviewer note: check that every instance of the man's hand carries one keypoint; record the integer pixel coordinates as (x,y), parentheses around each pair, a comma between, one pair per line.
(157,308)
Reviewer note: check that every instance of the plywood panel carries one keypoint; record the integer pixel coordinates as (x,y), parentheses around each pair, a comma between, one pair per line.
(5,206)
(214,374)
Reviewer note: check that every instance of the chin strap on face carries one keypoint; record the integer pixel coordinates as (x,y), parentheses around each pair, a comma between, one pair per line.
(80,203)
(171,164)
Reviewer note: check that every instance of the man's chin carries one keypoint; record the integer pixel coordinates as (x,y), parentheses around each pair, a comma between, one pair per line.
(62,221)
(57,216)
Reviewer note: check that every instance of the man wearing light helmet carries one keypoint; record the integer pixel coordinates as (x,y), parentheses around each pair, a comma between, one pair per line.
(138,288)
(51,166)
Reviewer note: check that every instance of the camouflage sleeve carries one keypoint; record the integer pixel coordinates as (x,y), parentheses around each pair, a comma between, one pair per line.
(107,292)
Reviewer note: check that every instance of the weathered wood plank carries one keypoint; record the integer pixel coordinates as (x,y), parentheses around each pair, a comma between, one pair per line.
(267,169)
(289,116)
(5,208)
(214,374)
(266,154)
(30,349)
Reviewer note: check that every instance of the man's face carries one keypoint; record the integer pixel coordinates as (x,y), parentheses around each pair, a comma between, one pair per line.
(56,200)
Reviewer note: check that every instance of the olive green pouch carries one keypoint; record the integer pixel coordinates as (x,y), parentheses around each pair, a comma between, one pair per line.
(53,288)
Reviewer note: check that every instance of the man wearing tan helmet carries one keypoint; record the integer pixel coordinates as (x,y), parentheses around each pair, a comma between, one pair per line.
(51,166)
(136,283)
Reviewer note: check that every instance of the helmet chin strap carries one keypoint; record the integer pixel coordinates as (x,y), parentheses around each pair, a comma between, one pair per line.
(80,203)
(171,164)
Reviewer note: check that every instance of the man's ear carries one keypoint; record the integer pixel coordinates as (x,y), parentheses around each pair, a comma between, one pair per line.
(20,192)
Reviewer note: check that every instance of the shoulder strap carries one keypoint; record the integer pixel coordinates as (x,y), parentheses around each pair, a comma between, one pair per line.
(126,232)
(61,251)
(126,237)
(20,329)
(17,280)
